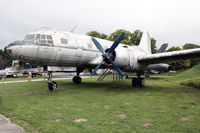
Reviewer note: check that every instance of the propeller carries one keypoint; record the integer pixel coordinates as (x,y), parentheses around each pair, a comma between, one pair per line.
(106,55)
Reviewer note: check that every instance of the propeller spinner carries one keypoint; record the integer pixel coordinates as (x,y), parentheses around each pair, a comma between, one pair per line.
(107,56)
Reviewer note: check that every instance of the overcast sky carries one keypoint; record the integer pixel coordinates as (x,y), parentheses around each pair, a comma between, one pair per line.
(173,21)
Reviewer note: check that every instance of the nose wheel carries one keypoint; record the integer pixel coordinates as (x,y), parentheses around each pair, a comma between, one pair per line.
(76,80)
(52,85)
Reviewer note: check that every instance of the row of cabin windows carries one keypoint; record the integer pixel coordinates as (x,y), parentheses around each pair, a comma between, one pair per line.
(47,39)
(44,39)
(40,38)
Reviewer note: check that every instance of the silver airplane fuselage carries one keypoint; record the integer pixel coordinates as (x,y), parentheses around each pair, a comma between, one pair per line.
(58,48)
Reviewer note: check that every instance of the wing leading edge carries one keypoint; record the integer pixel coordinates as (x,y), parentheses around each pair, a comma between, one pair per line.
(169,56)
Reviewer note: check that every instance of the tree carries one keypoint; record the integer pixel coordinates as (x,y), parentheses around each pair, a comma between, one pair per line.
(2,65)
(190,46)
(104,36)
(193,62)
(178,65)
(136,37)
(153,45)
(126,39)
(97,34)
(7,59)
(129,38)
(94,34)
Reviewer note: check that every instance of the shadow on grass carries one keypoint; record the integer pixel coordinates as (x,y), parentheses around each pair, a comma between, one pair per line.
(156,78)
(103,86)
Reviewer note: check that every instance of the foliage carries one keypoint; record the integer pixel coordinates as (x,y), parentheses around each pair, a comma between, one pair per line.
(7,59)
(193,62)
(178,65)
(153,45)
(97,34)
(129,38)
(136,37)
(2,65)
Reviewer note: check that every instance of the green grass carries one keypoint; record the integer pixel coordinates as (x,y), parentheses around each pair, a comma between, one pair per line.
(163,103)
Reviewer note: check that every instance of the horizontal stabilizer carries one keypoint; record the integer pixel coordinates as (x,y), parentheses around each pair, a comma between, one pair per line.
(169,56)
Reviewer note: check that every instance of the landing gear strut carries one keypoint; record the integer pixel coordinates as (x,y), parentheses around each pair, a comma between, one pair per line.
(76,79)
(138,82)
(52,85)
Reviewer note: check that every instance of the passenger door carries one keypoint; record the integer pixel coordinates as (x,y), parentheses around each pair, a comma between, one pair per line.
(46,50)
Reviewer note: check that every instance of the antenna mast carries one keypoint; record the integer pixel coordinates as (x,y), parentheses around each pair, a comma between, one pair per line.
(73,29)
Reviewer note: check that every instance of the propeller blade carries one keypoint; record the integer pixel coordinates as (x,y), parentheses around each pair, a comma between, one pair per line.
(117,68)
(98,45)
(95,70)
(116,43)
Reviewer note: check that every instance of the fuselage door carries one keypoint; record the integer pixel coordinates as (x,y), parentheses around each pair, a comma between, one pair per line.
(79,50)
(46,50)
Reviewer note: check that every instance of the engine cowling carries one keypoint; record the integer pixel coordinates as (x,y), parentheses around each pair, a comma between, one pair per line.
(159,67)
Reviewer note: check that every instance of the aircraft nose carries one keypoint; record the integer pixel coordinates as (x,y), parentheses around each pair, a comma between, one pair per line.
(11,49)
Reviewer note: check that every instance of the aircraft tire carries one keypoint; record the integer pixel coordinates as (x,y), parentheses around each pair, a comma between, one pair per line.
(141,82)
(135,82)
(77,80)
(52,86)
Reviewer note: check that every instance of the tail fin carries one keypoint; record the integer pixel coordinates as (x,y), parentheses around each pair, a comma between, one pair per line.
(162,48)
(145,42)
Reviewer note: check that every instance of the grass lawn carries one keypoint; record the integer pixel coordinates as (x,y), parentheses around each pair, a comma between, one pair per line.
(166,104)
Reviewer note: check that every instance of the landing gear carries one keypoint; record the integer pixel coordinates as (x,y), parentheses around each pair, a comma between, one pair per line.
(52,85)
(76,79)
(138,82)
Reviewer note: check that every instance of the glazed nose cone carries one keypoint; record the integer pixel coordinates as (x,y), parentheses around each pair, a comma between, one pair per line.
(12,48)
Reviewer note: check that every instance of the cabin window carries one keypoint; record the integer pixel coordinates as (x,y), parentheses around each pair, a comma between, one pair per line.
(64,41)
(49,37)
(29,37)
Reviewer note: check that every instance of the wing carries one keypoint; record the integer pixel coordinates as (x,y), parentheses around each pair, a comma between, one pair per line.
(169,56)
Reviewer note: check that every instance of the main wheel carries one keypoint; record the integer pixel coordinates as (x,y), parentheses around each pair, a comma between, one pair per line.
(141,82)
(76,80)
(135,82)
(52,86)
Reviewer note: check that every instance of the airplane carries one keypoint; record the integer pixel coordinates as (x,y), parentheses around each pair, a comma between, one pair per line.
(162,48)
(158,68)
(50,47)
(8,72)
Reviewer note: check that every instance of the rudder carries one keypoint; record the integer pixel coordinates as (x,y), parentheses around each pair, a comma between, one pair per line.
(145,42)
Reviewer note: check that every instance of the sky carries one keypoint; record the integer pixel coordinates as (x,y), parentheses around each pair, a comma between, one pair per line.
(168,21)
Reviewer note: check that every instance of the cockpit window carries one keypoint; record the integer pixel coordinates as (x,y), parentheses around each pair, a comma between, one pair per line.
(29,37)
(44,39)
(38,36)
(49,37)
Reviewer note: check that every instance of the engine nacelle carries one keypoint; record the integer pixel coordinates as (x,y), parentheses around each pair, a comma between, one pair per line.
(122,58)
(159,67)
